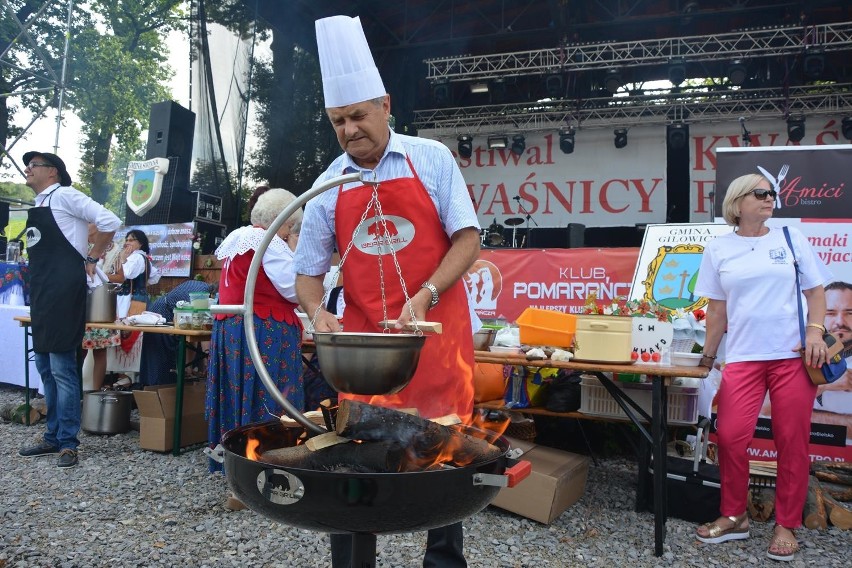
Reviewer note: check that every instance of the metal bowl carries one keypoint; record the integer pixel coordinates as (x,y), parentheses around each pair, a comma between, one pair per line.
(368,363)
(483,339)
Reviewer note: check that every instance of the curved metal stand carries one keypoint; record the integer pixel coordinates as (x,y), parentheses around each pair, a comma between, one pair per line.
(247,309)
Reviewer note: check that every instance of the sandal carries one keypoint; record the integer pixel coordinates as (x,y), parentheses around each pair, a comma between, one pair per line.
(785,550)
(715,534)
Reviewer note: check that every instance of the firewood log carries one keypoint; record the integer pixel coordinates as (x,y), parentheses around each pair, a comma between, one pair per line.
(367,457)
(833,472)
(839,492)
(839,515)
(761,503)
(423,439)
(814,515)
(834,477)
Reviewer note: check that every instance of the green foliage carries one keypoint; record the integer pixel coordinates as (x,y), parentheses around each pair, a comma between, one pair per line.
(117,76)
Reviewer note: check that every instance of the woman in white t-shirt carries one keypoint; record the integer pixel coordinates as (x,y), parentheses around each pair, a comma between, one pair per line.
(749,277)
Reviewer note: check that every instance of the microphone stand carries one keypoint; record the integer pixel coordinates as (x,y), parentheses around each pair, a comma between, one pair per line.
(746,134)
(527,241)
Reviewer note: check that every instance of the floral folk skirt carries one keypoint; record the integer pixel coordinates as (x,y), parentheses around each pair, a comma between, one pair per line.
(235,394)
(95,338)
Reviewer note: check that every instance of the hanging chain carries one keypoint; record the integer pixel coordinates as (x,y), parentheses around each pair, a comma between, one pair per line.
(375,205)
(380,214)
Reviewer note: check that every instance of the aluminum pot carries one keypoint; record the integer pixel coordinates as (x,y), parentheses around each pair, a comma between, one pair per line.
(106,412)
(101,303)
(380,503)
(368,363)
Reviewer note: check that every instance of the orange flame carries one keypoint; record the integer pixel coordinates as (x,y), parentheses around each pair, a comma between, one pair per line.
(251,449)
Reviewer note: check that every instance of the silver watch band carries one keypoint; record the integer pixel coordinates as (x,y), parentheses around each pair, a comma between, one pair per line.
(434,291)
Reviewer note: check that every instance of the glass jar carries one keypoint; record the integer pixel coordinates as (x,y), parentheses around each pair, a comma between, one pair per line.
(183,318)
(198,319)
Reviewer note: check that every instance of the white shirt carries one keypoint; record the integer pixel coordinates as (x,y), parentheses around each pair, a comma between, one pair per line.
(74,211)
(435,167)
(755,276)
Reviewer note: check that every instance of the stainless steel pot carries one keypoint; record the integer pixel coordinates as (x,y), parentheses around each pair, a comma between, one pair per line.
(368,363)
(101,303)
(106,412)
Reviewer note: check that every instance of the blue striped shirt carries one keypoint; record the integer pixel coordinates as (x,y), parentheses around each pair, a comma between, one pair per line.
(435,167)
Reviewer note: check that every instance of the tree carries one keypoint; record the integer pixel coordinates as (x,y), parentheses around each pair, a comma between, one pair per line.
(118,73)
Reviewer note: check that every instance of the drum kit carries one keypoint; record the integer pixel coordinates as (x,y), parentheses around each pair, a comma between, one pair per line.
(493,235)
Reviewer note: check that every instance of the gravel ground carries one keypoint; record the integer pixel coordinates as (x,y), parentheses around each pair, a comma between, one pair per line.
(123,506)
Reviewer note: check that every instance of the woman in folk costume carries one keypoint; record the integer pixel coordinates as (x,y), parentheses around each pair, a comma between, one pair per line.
(426,216)
(235,393)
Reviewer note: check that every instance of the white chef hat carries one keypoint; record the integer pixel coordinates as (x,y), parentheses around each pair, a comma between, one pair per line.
(349,74)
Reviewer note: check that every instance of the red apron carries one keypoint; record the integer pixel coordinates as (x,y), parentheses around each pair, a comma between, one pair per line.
(443,382)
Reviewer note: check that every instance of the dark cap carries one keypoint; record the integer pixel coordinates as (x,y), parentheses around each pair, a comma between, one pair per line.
(53,160)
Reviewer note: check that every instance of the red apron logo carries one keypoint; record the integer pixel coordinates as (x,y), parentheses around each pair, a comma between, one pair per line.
(384,234)
(483,283)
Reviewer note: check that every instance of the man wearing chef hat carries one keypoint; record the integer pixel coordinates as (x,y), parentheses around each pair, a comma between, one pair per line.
(426,216)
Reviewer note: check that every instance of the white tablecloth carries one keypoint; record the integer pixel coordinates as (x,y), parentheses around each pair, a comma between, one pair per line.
(12,349)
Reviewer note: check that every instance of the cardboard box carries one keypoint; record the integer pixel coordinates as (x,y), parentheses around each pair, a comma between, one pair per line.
(557,481)
(157,416)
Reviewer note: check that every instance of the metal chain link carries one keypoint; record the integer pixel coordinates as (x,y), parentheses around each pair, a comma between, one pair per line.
(376,205)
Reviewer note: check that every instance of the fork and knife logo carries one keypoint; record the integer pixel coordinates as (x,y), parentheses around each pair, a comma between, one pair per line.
(776,183)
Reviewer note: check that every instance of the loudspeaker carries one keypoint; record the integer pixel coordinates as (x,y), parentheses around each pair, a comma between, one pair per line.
(576,235)
(170,134)
(170,131)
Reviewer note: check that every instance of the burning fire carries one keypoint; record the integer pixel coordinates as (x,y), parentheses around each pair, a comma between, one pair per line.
(251,448)
(425,452)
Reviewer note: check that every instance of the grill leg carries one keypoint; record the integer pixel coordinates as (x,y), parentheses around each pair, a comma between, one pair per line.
(363,550)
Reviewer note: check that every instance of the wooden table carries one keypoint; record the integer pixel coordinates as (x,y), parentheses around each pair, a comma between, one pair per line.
(182,334)
(661,377)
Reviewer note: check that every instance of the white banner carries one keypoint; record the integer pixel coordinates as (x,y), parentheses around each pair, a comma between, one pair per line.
(597,185)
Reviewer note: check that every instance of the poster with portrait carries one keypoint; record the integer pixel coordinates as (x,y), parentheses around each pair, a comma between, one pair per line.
(812,184)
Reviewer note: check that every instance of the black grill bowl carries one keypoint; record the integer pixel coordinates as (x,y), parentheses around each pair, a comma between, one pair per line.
(333,502)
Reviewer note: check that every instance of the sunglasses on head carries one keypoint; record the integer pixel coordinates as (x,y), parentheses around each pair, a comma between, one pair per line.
(761,193)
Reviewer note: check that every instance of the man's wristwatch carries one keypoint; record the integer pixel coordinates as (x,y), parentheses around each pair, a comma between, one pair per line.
(434,290)
(91,260)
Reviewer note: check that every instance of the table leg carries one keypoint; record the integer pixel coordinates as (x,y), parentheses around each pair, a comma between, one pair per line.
(181,369)
(658,447)
(27,372)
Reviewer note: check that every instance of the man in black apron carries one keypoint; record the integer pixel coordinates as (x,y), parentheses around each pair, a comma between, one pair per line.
(57,230)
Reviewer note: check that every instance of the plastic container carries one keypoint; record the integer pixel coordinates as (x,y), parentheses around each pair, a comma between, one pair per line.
(604,339)
(686,359)
(200,300)
(596,401)
(547,327)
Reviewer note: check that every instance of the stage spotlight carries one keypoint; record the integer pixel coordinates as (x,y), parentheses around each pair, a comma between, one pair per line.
(677,71)
(814,64)
(620,137)
(441,93)
(497,142)
(847,128)
(465,145)
(566,140)
(519,144)
(613,81)
(553,86)
(796,128)
(479,88)
(677,135)
(737,73)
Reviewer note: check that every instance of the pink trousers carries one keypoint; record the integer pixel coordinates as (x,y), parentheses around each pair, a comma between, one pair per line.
(741,395)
